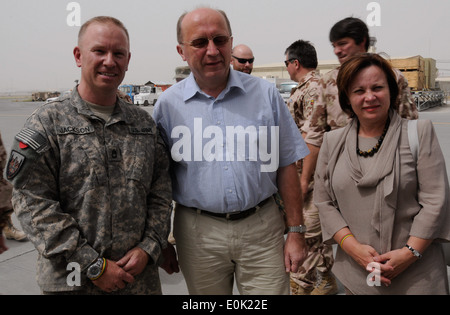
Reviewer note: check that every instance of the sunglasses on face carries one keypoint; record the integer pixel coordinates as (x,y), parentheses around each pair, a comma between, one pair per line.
(287,62)
(243,60)
(219,41)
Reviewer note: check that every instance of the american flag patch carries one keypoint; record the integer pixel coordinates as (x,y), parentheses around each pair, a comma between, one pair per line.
(33,139)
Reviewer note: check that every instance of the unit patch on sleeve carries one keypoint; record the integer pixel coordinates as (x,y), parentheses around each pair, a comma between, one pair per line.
(15,163)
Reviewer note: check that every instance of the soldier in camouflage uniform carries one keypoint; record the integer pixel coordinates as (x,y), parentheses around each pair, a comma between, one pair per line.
(91,180)
(10,232)
(301,63)
(349,37)
(5,197)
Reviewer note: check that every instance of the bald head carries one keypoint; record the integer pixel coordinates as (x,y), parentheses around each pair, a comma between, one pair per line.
(242,58)
(200,12)
(205,43)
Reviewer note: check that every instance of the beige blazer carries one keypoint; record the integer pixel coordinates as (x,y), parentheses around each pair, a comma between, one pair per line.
(383,200)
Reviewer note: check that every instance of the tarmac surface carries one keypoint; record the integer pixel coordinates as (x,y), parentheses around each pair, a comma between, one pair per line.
(18,263)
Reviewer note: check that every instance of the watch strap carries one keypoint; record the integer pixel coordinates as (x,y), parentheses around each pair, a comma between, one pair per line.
(414,251)
(297,229)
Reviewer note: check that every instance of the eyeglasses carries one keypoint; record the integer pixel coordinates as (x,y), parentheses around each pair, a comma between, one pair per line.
(219,41)
(286,62)
(243,60)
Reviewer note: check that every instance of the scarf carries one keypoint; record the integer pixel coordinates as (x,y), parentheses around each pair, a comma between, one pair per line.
(384,175)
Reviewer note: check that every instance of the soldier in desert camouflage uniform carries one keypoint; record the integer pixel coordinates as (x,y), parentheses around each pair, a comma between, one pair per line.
(91,181)
(301,63)
(349,37)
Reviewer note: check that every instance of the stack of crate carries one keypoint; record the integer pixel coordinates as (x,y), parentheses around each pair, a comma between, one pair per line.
(420,72)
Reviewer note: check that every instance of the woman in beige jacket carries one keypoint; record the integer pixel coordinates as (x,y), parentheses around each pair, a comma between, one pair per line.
(386,209)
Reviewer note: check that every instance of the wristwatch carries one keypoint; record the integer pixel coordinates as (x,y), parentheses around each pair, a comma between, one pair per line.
(415,252)
(297,229)
(95,270)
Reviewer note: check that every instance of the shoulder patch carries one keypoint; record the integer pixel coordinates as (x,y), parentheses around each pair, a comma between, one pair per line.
(15,163)
(33,139)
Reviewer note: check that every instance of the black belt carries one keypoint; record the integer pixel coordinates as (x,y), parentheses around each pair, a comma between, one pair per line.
(232,216)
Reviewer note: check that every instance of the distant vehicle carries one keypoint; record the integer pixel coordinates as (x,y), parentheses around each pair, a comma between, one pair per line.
(43,96)
(130,90)
(148,95)
(51,99)
(286,88)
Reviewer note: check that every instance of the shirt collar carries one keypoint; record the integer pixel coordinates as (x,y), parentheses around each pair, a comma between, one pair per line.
(191,87)
(82,107)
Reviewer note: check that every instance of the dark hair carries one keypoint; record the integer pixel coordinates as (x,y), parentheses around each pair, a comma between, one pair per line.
(353,66)
(304,52)
(181,18)
(102,20)
(353,28)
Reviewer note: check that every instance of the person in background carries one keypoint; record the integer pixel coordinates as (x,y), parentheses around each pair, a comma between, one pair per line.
(242,59)
(384,202)
(5,198)
(9,230)
(227,225)
(315,275)
(91,178)
(350,37)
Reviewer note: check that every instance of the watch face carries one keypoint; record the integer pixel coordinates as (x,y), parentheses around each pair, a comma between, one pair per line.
(95,269)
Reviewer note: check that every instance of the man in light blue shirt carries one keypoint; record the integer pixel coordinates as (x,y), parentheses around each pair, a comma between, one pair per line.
(234,144)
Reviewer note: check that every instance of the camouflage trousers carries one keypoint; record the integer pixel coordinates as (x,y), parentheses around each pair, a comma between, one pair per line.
(320,256)
(5,202)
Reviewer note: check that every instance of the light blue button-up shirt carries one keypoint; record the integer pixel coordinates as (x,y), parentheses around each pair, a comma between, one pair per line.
(226,150)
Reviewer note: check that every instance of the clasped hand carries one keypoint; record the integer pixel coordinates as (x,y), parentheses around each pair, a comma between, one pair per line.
(391,264)
(119,273)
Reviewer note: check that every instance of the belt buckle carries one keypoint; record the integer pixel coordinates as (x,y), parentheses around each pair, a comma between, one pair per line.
(230,215)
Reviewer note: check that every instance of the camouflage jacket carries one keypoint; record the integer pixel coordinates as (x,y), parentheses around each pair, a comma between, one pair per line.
(5,190)
(327,113)
(84,188)
(302,101)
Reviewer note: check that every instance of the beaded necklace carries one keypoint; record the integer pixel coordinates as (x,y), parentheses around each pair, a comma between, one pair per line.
(375,149)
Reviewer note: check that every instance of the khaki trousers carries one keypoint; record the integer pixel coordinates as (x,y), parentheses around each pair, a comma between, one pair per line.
(213,252)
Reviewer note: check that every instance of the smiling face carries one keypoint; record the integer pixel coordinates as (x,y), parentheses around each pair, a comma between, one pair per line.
(103,55)
(369,95)
(210,64)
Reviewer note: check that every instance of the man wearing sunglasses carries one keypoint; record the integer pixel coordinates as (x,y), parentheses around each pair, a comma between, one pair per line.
(301,63)
(227,226)
(242,59)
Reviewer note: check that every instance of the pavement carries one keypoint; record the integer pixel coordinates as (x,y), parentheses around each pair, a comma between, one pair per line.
(18,263)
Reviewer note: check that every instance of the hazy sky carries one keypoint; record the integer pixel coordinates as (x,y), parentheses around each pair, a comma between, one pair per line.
(37,42)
